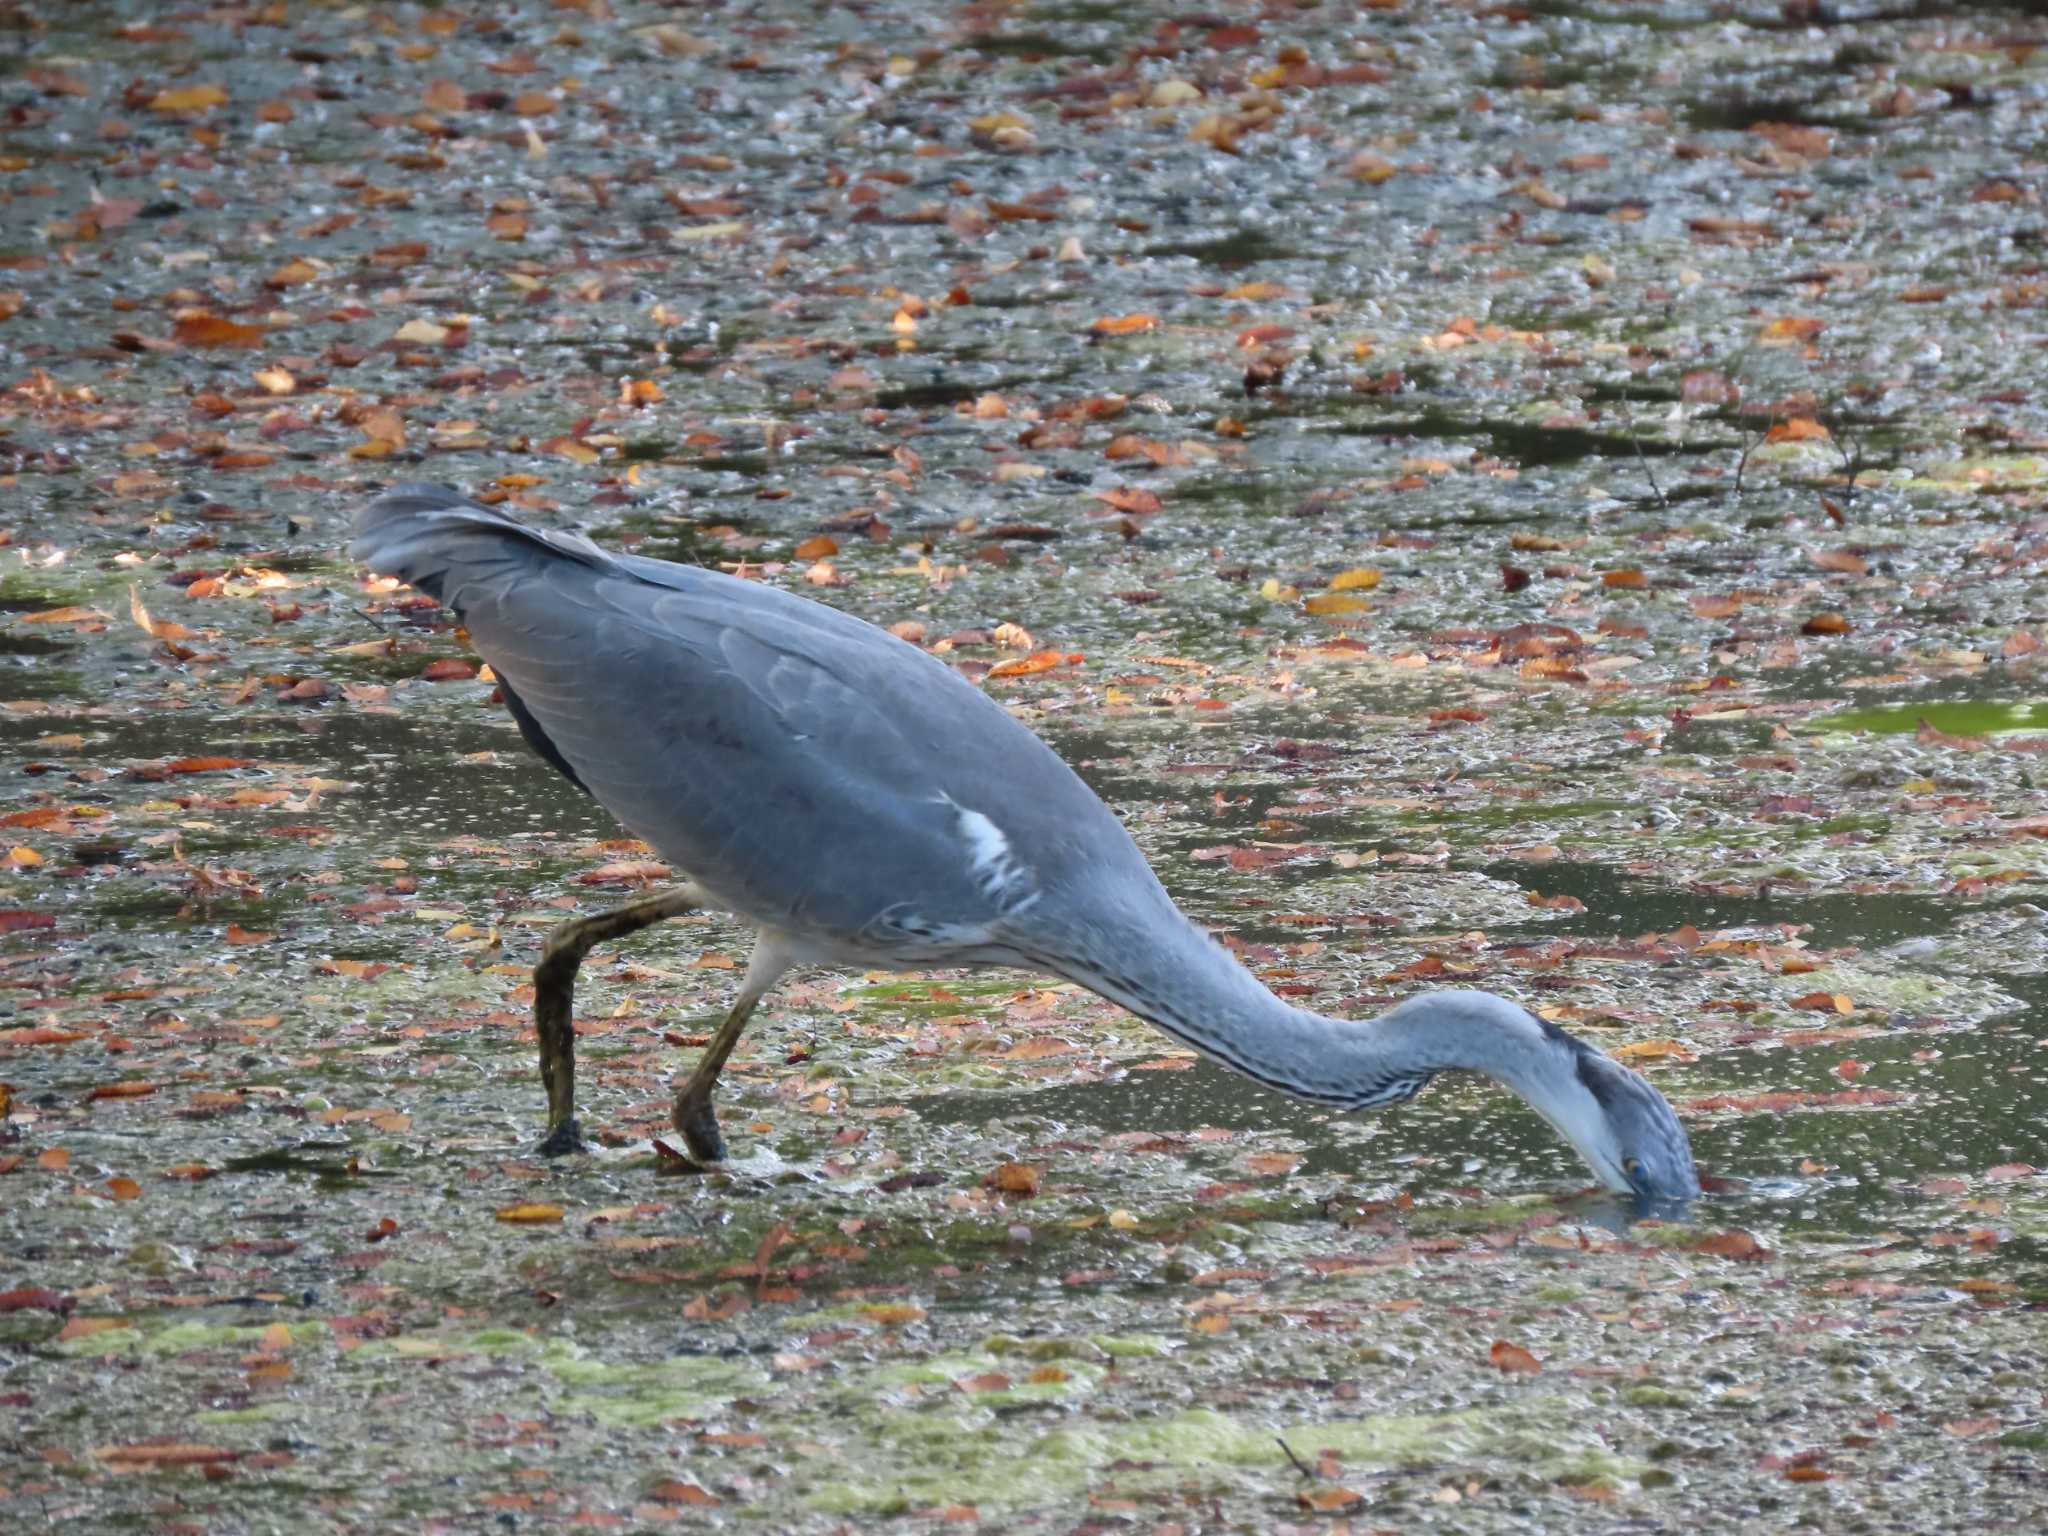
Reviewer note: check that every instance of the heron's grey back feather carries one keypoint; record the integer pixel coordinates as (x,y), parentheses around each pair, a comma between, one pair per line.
(812,772)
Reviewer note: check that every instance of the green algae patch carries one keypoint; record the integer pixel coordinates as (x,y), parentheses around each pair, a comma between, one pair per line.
(449,1346)
(641,1395)
(1960,717)
(923,1458)
(184,1338)
(1477,1218)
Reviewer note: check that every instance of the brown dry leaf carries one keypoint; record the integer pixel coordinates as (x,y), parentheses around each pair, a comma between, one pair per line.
(131,1088)
(1732,1244)
(1825,624)
(1132,499)
(121,1187)
(215,331)
(569,448)
(1845,561)
(166,1455)
(671,1491)
(292,273)
(1511,1358)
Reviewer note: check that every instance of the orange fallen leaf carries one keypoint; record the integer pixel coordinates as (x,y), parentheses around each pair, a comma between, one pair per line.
(1018,1178)
(1732,1244)
(214,331)
(1124,325)
(133,1088)
(1024,666)
(188,98)
(1512,1358)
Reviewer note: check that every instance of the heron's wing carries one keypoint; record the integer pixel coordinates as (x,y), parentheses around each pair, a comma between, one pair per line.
(805,766)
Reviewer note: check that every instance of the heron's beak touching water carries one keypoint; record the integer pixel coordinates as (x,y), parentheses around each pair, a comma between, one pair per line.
(1625,1130)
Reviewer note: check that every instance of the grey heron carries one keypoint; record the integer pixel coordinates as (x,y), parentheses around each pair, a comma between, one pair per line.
(857,802)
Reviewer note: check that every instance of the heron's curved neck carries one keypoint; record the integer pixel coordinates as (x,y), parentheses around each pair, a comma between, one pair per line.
(1194,989)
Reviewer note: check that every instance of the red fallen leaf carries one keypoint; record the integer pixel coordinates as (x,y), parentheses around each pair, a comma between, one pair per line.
(1849,1069)
(15,920)
(1806,1472)
(205,764)
(121,1187)
(1513,578)
(131,1088)
(1512,1358)
(237,934)
(1733,1244)
(1825,624)
(38,1298)
(2008,1171)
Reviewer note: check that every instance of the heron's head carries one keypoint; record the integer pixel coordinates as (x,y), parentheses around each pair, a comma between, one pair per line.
(1625,1130)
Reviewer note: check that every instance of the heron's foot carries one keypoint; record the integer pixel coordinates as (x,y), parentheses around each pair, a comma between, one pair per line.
(561,1140)
(698,1122)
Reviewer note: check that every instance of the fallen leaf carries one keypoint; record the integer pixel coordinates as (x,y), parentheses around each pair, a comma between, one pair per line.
(1512,1358)
(529,1215)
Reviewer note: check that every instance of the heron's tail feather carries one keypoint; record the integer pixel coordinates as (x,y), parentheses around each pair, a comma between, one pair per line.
(434,538)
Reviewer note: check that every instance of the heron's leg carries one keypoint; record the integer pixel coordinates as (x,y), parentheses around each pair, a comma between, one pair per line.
(554,998)
(694,1116)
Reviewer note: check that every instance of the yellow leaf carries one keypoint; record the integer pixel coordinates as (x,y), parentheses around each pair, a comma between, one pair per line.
(1360,578)
(1653,1050)
(892,1313)
(424,332)
(188,98)
(1332,604)
(530,1215)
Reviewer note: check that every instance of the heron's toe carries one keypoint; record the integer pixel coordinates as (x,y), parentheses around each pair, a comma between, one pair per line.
(698,1123)
(561,1140)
